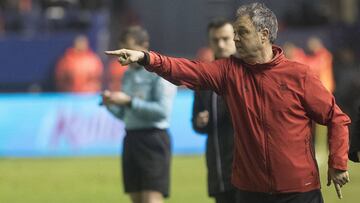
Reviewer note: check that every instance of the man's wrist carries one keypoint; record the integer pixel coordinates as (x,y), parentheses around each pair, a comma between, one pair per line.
(145,60)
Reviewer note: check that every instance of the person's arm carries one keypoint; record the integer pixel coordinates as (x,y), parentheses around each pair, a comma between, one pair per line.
(110,101)
(159,108)
(192,74)
(199,112)
(179,71)
(116,102)
(321,107)
(354,153)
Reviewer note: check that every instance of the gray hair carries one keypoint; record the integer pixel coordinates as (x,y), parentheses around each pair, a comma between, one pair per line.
(261,16)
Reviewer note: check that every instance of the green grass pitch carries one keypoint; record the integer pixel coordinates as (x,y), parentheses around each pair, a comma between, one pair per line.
(94,180)
(97,180)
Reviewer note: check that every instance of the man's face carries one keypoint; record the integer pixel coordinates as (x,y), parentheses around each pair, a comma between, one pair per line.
(221,41)
(247,40)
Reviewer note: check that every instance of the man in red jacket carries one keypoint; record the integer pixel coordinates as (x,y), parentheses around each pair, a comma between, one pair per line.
(272,102)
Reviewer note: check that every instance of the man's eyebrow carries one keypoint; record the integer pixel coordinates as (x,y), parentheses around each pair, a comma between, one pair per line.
(239,27)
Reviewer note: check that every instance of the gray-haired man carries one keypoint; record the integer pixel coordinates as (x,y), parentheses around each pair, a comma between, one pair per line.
(272,103)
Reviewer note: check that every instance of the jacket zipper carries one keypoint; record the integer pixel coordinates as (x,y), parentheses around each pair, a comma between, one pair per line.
(216,142)
(267,161)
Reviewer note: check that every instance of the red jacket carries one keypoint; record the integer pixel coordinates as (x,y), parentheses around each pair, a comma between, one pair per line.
(271,106)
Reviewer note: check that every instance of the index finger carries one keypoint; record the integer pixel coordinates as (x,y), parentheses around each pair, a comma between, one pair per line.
(338,190)
(114,53)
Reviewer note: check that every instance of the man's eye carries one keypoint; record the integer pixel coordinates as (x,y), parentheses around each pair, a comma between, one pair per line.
(240,32)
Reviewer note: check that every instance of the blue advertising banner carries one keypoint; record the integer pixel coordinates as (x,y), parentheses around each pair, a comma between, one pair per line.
(75,125)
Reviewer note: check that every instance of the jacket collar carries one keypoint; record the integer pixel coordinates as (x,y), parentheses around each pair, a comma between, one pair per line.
(277,59)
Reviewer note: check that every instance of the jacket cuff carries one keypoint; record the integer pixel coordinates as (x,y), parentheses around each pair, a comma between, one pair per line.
(146,60)
(338,163)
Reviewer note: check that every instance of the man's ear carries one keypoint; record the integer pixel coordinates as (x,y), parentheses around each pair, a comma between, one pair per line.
(265,35)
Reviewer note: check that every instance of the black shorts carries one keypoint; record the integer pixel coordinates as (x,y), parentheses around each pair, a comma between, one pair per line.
(146,161)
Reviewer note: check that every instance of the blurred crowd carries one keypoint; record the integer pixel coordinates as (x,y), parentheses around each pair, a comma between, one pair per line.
(33,16)
(339,74)
(80,70)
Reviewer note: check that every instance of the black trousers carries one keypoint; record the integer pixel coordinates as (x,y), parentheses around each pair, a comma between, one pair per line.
(313,196)
(226,197)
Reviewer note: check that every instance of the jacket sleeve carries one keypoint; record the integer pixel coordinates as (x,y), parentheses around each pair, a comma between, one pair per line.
(116,110)
(355,141)
(192,74)
(321,107)
(198,106)
(160,107)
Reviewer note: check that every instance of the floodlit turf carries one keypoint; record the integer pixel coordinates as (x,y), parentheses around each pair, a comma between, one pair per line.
(90,180)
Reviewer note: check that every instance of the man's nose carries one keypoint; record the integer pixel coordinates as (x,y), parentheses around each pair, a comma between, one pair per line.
(236,37)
